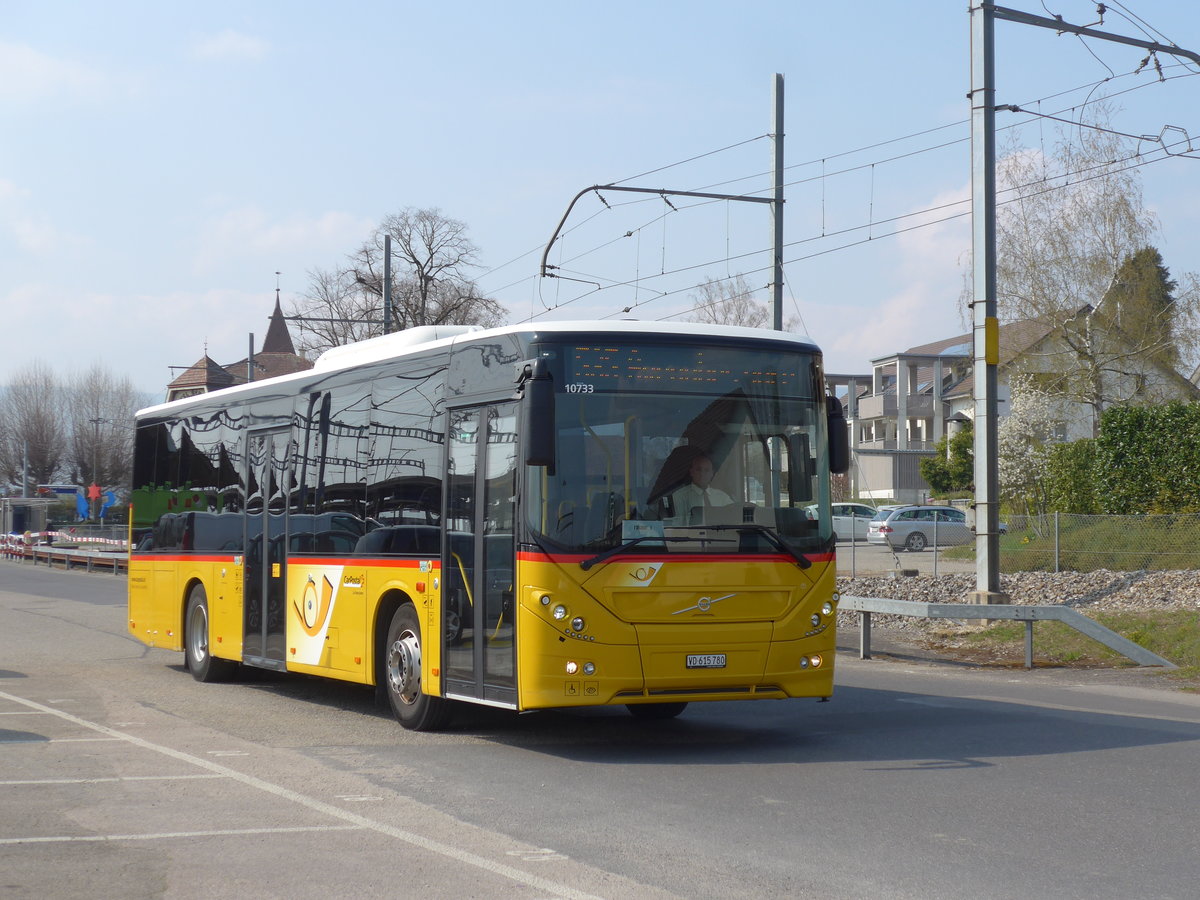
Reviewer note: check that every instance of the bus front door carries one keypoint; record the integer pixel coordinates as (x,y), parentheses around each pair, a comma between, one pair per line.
(479,555)
(264,622)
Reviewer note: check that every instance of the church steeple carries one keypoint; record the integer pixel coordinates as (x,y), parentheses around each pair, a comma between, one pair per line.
(278,339)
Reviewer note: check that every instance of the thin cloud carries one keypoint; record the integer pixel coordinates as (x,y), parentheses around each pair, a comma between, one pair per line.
(27,74)
(31,230)
(229,44)
(249,232)
(137,334)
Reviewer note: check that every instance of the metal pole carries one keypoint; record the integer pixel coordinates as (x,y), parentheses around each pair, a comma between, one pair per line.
(387,284)
(777,207)
(95,506)
(1056,548)
(935,543)
(250,360)
(853,544)
(983,302)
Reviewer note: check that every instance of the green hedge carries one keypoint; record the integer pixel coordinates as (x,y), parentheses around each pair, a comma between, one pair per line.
(1147,459)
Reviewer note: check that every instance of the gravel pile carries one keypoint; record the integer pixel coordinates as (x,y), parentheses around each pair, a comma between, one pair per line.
(1089,592)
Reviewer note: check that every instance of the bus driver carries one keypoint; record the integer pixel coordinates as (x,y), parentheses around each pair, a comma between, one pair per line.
(699,493)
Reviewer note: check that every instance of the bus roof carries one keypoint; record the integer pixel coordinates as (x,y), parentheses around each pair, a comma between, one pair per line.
(401,343)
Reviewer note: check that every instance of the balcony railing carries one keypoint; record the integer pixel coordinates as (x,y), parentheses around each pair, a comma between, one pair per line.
(884,406)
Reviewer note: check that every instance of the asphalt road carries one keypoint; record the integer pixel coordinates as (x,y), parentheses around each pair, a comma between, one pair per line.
(122,777)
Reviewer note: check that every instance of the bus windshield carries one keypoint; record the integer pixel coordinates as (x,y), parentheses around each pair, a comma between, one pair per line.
(683,449)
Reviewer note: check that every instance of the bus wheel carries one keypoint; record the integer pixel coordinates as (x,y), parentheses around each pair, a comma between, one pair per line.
(414,710)
(655,711)
(200,662)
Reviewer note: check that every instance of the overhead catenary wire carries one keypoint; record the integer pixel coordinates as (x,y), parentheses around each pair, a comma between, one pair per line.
(1105,168)
(1069,179)
(824,176)
(824,160)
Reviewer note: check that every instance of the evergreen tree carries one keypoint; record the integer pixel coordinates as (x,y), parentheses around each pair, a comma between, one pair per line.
(1141,303)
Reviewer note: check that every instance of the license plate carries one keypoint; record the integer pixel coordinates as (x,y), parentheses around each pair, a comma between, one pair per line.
(706,661)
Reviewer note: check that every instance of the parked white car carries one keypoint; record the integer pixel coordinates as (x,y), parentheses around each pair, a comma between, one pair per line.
(849,520)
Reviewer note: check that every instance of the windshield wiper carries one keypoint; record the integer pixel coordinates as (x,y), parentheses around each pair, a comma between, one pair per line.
(621,548)
(780,544)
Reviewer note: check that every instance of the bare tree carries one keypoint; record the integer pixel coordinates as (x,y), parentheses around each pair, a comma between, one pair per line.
(432,259)
(728,301)
(334,311)
(100,407)
(1066,226)
(32,428)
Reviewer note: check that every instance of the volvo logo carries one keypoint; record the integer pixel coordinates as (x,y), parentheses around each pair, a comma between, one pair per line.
(704,604)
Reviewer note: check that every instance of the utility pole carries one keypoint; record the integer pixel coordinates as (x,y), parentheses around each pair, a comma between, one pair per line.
(387,284)
(777,207)
(986,328)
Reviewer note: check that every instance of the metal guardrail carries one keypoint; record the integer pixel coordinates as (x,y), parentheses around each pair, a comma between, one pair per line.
(69,557)
(865,606)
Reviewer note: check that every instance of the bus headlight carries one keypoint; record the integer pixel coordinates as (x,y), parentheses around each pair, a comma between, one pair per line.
(560,612)
(572,667)
(545,598)
(827,607)
(577,623)
(816,619)
(804,662)
(589,668)
(815,661)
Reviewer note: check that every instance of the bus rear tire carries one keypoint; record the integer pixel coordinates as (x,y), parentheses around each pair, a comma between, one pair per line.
(414,709)
(200,661)
(655,712)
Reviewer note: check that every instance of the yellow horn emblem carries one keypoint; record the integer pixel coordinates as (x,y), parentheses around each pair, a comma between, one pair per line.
(312,609)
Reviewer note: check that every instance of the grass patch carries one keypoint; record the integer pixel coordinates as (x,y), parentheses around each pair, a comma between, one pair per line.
(1173,635)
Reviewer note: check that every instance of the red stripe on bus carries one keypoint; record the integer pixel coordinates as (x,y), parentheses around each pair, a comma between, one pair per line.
(563,558)
(188,557)
(380,561)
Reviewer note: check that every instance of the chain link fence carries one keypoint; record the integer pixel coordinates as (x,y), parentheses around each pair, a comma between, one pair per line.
(1062,542)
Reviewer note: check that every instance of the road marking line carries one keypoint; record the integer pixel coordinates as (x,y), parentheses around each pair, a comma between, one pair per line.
(408,837)
(108,780)
(167,835)
(42,740)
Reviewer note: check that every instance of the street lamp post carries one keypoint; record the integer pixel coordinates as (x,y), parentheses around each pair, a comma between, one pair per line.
(95,504)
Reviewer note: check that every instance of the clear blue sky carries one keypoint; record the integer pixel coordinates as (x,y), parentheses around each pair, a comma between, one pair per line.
(160,162)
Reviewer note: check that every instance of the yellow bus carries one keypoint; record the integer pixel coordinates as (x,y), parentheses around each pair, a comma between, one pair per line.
(545,515)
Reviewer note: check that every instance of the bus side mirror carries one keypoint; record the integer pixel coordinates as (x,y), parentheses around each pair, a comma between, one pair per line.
(539,413)
(839,439)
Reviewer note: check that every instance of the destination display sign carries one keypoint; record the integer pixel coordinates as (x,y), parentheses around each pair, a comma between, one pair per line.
(677,367)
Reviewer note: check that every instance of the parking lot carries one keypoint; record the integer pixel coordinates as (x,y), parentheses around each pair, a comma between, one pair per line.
(858,558)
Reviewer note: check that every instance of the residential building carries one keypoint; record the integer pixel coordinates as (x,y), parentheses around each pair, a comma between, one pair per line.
(899,411)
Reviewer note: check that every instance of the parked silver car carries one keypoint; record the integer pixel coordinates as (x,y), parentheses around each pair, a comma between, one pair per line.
(914,527)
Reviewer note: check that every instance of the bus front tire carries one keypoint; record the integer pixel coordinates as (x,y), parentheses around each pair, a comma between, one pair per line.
(200,661)
(655,711)
(414,709)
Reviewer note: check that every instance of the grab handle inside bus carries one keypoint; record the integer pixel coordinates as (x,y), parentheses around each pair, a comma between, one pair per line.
(800,469)
(539,413)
